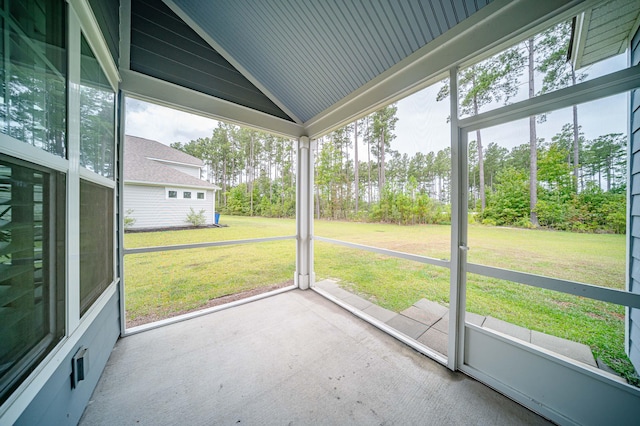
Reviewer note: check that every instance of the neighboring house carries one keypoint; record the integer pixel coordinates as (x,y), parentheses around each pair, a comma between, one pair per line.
(162,184)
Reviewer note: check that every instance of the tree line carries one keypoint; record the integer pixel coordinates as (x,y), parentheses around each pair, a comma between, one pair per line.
(567,183)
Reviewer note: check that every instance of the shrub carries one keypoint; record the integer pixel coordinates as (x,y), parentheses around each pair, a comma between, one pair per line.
(128,220)
(196,219)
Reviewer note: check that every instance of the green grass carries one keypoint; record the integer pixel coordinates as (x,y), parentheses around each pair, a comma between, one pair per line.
(160,284)
(163,284)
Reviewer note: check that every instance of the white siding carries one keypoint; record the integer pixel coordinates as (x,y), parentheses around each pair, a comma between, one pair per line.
(151,208)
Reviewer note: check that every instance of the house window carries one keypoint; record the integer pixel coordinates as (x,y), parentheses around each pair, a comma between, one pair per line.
(172,194)
(186,194)
(33,73)
(200,195)
(96,242)
(97,116)
(32,267)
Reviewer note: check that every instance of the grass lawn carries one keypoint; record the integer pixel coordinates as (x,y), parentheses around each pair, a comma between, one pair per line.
(161,284)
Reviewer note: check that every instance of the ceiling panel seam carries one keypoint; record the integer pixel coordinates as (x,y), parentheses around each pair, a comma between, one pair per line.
(378,45)
(369,40)
(435,19)
(319,56)
(308,66)
(405,26)
(216,76)
(230,70)
(288,59)
(185,17)
(232,97)
(392,53)
(400,28)
(460,10)
(361,57)
(407,16)
(344,58)
(450,13)
(298,98)
(329,38)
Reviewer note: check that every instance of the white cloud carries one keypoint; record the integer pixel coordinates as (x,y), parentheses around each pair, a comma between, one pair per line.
(165,125)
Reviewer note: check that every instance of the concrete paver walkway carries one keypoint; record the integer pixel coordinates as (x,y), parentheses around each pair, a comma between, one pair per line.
(428,323)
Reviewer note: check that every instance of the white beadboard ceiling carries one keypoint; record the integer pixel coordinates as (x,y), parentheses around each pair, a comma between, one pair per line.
(307,55)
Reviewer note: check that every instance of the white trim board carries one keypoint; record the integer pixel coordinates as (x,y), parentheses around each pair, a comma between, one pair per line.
(150,89)
(95,38)
(167,184)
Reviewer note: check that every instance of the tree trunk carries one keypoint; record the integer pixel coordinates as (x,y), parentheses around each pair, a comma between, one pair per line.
(315,172)
(576,145)
(369,162)
(381,166)
(356,174)
(483,201)
(576,137)
(533,147)
(252,173)
(224,182)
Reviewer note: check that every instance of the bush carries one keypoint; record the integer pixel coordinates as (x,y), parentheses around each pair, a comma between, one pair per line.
(128,220)
(196,219)
(510,201)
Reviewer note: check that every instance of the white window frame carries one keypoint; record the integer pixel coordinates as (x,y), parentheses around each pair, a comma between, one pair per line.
(80,19)
(180,194)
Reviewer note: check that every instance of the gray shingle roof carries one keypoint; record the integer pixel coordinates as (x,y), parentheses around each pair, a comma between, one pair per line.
(141,164)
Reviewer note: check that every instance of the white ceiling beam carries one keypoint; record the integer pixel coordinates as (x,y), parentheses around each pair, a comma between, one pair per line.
(158,91)
(226,55)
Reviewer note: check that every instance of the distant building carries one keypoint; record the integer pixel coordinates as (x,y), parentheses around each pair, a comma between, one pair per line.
(161,184)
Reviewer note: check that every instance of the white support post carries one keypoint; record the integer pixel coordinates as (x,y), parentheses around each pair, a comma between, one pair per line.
(304,276)
(120,206)
(459,184)
(73,177)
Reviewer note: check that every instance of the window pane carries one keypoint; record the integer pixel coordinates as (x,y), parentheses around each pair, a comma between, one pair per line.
(173,194)
(96,242)
(32,72)
(534,67)
(186,195)
(97,116)
(32,245)
(200,195)
(580,181)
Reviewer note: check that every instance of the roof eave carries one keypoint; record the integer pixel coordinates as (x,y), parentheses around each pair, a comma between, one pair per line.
(171,184)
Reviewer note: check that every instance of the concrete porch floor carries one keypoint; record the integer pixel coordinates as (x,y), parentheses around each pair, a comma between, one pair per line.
(294,358)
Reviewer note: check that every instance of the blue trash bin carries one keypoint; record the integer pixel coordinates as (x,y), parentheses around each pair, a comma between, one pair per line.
(217,217)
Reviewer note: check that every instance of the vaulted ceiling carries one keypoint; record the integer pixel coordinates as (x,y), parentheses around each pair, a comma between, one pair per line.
(309,54)
(304,66)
